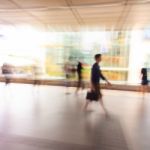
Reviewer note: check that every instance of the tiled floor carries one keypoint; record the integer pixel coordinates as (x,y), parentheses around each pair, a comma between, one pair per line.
(45,118)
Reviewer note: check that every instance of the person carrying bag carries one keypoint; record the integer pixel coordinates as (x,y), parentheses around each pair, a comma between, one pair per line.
(95,93)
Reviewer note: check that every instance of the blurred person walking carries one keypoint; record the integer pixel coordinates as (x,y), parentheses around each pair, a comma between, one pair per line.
(67,70)
(144,81)
(95,93)
(7,71)
(36,72)
(80,83)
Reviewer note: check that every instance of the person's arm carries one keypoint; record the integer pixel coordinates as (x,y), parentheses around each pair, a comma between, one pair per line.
(104,78)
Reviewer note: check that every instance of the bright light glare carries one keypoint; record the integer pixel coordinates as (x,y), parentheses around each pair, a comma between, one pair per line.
(22,41)
(91,37)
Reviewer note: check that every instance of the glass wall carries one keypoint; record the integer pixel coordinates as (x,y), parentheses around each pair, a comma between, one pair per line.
(32,52)
(83,46)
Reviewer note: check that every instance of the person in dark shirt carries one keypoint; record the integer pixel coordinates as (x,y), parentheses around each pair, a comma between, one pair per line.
(144,82)
(96,75)
(80,76)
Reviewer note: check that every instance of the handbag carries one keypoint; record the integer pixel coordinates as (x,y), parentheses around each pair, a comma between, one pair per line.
(92,95)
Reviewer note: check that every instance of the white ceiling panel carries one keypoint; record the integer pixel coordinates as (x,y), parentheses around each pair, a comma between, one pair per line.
(76,13)
(6,4)
(39,3)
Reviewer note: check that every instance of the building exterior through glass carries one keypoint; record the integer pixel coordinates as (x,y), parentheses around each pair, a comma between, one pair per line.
(124,52)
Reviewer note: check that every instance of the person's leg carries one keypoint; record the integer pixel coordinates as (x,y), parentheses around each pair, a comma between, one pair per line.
(7,81)
(145,89)
(142,89)
(79,85)
(67,84)
(103,107)
(67,89)
(82,84)
(102,104)
(86,104)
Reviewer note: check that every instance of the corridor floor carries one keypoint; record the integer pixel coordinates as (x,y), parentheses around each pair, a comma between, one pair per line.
(45,118)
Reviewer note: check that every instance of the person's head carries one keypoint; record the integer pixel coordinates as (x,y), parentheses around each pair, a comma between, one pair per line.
(98,58)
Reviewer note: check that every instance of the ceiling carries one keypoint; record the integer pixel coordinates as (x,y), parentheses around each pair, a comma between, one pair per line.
(76,14)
